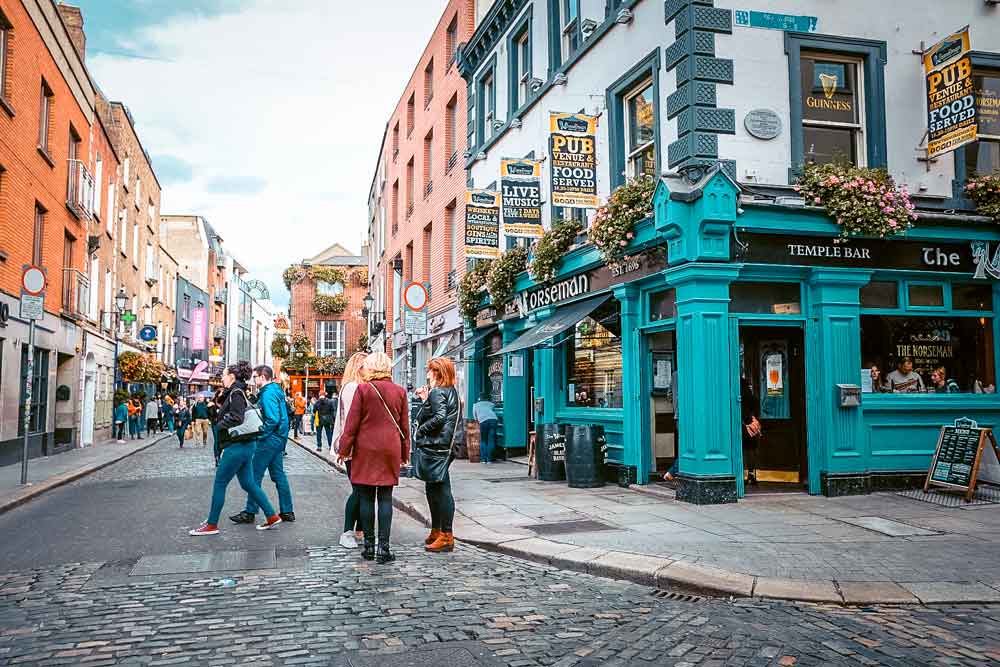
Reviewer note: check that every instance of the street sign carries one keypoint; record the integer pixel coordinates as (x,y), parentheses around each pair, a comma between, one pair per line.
(147,333)
(414,322)
(415,296)
(128,317)
(32,307)
(33,280)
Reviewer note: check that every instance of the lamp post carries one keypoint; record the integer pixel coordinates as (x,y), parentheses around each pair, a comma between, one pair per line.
(366,312)
(121,303)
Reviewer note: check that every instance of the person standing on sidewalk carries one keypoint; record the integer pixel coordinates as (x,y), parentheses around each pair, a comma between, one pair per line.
(373,438)
(182,419)
(133,417)
(121,417)
(352,516)
(300,410)
(153,414)
(167,414)
(310,415)
(484,412)
(202,424)
(434,439)
(326,412)
(237,453)
(270,446)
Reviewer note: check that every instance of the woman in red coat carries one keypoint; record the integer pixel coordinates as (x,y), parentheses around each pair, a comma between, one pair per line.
(376,439)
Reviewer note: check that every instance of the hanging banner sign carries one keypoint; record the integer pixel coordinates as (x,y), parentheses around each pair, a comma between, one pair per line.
(198,328)
(951,98)
(482,224)
(521,189)
(572,150)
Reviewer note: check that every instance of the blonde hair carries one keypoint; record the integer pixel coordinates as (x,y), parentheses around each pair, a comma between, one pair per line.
(352,371)
(376,366)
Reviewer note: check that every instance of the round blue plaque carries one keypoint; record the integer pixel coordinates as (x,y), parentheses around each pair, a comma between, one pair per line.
(147,333)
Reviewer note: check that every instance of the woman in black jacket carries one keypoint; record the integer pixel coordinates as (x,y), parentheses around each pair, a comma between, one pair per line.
(437,420)
(236,459)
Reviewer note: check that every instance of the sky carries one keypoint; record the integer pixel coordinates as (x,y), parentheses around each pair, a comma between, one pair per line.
(263,116)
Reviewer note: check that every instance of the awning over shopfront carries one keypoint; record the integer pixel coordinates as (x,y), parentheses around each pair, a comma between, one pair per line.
(464,345)
(564,318)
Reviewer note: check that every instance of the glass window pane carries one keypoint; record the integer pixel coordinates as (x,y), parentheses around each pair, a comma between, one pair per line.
(827,144)
(594,360)
(493,378)
(926,295)
(929,354)
(773,298)
(829,90)
(880,294)
(644,163)
(987,86)
(982,157)
(663,305)
(641,118)
(972,297)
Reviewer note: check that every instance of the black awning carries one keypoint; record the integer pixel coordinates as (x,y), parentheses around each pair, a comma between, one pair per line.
(456,349)
(564,318)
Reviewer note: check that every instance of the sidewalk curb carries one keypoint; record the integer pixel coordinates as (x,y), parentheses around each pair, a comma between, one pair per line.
(696,578)
(30,492)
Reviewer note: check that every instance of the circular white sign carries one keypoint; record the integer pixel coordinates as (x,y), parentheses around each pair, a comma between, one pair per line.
(415,296)
(33,280)
(763,123)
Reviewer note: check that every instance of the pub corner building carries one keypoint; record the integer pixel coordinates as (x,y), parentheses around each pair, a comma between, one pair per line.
(736,297)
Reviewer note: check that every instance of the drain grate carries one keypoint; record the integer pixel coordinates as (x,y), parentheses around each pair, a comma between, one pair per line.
(565,527)
(986,494)
(679,597)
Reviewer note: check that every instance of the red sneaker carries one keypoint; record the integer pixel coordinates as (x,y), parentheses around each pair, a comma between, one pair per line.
(271,522)
(204,529)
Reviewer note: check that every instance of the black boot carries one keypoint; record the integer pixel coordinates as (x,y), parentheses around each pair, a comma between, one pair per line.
(369,551)
(384,555)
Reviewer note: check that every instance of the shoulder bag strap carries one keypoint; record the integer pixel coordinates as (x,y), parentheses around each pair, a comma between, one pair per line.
(386,406)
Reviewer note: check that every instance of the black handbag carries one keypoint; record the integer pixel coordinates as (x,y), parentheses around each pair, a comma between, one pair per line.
(431,465)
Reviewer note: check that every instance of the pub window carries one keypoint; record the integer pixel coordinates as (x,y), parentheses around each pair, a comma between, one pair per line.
(880,294)
(493,377)
(832,117)
(929,354)
(982,157)
(39,390)
(765,298)
(972,297)
(925,296)
(594,360)
(663,305)
(640,133)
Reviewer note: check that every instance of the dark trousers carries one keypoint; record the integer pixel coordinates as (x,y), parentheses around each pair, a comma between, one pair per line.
(119,430)
(352,511)
(319,435)
(368,497)
(296,424)
(133,427)
(441,503)
(487,440)
(180,434)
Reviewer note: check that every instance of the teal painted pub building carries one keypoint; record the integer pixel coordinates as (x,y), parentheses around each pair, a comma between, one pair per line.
(729,306)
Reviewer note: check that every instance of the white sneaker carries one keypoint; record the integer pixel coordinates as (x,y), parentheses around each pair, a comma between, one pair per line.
(348,541)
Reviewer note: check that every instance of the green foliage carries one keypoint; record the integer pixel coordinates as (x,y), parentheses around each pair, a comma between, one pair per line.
(280,347)
(549,250)
(327,274)
(137,367)
(363,343)
(301,345)
(325,304)
(470,289)
(614,222)
(291,275)
(863,201)
(985,192)
(502,274)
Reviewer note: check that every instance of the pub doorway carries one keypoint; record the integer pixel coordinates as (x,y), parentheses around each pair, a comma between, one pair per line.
(661,355)
(772,371)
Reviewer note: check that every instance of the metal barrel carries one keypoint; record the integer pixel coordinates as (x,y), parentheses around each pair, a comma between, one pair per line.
(585,455)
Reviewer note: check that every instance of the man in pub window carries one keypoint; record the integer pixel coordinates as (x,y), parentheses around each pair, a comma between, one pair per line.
(904,380)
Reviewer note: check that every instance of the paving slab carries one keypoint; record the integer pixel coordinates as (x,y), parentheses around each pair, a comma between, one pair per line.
(949,591)
(792,589)
(875,592)
(633,567)
(704,577)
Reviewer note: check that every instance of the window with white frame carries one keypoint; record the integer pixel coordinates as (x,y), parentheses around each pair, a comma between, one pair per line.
(108,286)
(330,336)
(832,109)
(138,193)
(570,24)
(520,59)
(489,97)
(98,190)
(135,244)
(109,221)
(329,289)
(125,172)
(640,131)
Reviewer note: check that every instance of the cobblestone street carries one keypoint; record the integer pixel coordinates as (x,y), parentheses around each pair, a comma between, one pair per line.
(317,603)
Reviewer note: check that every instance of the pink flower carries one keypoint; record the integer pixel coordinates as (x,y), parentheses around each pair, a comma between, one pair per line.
(893,224)
(817,200)
(797,188)
(834,179)
(623,243)
(887,209)
(630,236)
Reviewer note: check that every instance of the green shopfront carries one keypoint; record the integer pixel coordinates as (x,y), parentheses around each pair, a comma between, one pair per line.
(654,348)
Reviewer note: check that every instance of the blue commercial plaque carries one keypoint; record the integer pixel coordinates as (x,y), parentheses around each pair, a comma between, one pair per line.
(147,333)
(789,22)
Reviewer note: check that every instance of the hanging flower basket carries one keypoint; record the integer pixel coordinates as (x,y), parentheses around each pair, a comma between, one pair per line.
(501,276)
(615,221)
(327,274)
(329,305)
(549,250)
(862,201)
(301,345)
(292,275)
(985,192)
(470,289)
(280,347)
(136,367)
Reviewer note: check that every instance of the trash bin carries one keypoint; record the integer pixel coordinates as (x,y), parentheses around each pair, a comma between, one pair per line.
(585,449)
(550,454)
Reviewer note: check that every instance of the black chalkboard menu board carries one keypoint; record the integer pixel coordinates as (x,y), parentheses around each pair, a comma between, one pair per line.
(957,456)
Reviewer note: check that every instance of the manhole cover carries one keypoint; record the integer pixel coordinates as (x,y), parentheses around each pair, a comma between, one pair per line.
(221,561)
(986,494)
(888,526)
(457,654)
(564,527)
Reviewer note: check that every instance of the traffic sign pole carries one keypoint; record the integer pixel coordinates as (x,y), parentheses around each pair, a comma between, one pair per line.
(27,400)
(32,308)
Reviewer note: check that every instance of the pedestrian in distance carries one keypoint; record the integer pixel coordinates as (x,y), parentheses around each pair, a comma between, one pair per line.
(310,415)
(326,413)
(167,413)
(237,453)
(484,412)
(153,414)
(121,418)
(133,417)
(182,419)
(375,438)
(270,446)
(141,402)
(202,424)
(352,516)
(300,409)
(434,440)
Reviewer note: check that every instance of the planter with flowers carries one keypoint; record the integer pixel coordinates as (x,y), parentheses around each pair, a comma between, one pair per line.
(502,274)
(862,201)
(470,289)
(325,304)
(280,347)
(549,250)
(614,223)
(985,192)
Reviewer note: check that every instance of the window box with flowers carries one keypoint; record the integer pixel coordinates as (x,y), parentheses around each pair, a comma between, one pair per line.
(470,289)
(984,191)
(549,251)
(614,223)
(862,201)
(502,275)
(326,304)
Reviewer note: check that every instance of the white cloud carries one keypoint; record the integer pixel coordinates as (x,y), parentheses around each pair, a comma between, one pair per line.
(284,103)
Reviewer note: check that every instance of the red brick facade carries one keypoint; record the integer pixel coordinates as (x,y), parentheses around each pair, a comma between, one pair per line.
(304,317)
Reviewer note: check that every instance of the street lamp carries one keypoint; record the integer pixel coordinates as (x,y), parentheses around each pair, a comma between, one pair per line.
(367,302)
(121,303)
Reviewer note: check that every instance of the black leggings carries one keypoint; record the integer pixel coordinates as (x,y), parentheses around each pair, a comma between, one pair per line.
(441,503)
(367,496)
(120,430)
(352,520)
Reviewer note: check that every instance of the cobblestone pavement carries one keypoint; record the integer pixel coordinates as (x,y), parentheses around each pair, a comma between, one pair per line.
(325,605)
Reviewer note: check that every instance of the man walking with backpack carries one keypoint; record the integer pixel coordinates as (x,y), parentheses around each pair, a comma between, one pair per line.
(326,412)
(269,454)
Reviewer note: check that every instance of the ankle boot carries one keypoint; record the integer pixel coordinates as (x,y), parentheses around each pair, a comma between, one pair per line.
(369,551)
(432,538)
(445,542)
(384,555)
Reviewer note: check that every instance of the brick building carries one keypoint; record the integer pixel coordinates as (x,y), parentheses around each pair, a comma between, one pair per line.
(333,329)
(423,190)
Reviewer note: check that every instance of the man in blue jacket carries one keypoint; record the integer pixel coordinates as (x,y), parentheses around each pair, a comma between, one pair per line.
(269,454)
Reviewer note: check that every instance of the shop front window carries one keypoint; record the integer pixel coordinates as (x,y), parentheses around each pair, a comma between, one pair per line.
(594,360)
(929,354)
(832,125)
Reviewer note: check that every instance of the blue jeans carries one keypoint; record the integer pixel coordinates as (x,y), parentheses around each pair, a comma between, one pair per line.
(170,422)
(236,461)
(271,459)
(133,426)
(487,439)
(319,436)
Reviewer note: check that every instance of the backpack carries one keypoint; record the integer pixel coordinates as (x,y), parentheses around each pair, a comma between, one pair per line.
(290,406)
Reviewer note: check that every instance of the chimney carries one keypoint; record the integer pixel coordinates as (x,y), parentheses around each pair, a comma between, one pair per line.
(73,19)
